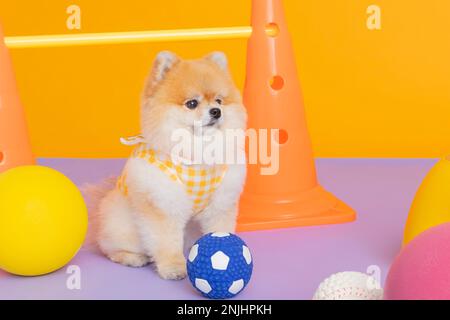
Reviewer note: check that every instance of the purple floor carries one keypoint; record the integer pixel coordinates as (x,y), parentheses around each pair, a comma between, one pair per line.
(289,264)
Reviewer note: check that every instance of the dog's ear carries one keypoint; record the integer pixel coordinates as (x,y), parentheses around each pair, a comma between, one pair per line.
(164,61)
(218,58)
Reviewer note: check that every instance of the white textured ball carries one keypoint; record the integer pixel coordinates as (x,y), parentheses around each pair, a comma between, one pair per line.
(349,286)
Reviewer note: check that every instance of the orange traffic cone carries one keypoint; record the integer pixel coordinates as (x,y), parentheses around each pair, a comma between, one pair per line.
(293,196)
(15,147)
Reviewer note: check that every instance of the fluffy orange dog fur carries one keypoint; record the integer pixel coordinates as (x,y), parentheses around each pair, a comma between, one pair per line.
(148,224)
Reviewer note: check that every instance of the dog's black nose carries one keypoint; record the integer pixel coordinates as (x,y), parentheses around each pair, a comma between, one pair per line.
(215,113)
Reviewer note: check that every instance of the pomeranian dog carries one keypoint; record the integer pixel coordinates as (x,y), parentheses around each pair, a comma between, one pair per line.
(140,217)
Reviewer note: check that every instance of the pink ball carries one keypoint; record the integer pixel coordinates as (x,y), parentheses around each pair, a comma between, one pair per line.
(422,269)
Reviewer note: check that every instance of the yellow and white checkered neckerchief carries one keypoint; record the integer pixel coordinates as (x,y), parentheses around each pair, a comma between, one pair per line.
(200,181)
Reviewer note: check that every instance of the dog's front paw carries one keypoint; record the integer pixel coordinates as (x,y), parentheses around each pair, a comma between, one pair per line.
(129,259)
(172,269)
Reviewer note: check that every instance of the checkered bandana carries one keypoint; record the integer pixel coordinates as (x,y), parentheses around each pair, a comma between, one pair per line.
(200,181)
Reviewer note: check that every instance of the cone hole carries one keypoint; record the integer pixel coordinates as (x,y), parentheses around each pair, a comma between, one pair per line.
(272,30)
(277,83)
(283,137)
(2,157)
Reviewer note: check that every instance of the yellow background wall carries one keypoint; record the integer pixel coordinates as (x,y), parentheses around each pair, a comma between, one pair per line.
(369,93)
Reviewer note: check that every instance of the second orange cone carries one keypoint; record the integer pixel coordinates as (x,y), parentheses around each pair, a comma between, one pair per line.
(15,149)
(291,197)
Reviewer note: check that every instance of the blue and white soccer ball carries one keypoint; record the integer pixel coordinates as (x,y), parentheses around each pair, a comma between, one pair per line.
(220,265)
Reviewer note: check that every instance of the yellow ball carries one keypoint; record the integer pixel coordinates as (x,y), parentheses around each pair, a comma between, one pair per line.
(43,220)
(431,205)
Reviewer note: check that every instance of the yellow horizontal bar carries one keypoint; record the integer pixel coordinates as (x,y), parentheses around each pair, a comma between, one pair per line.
(130,37)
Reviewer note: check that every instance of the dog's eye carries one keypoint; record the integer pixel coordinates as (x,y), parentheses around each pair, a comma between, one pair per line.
(219,101)
(192,104)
